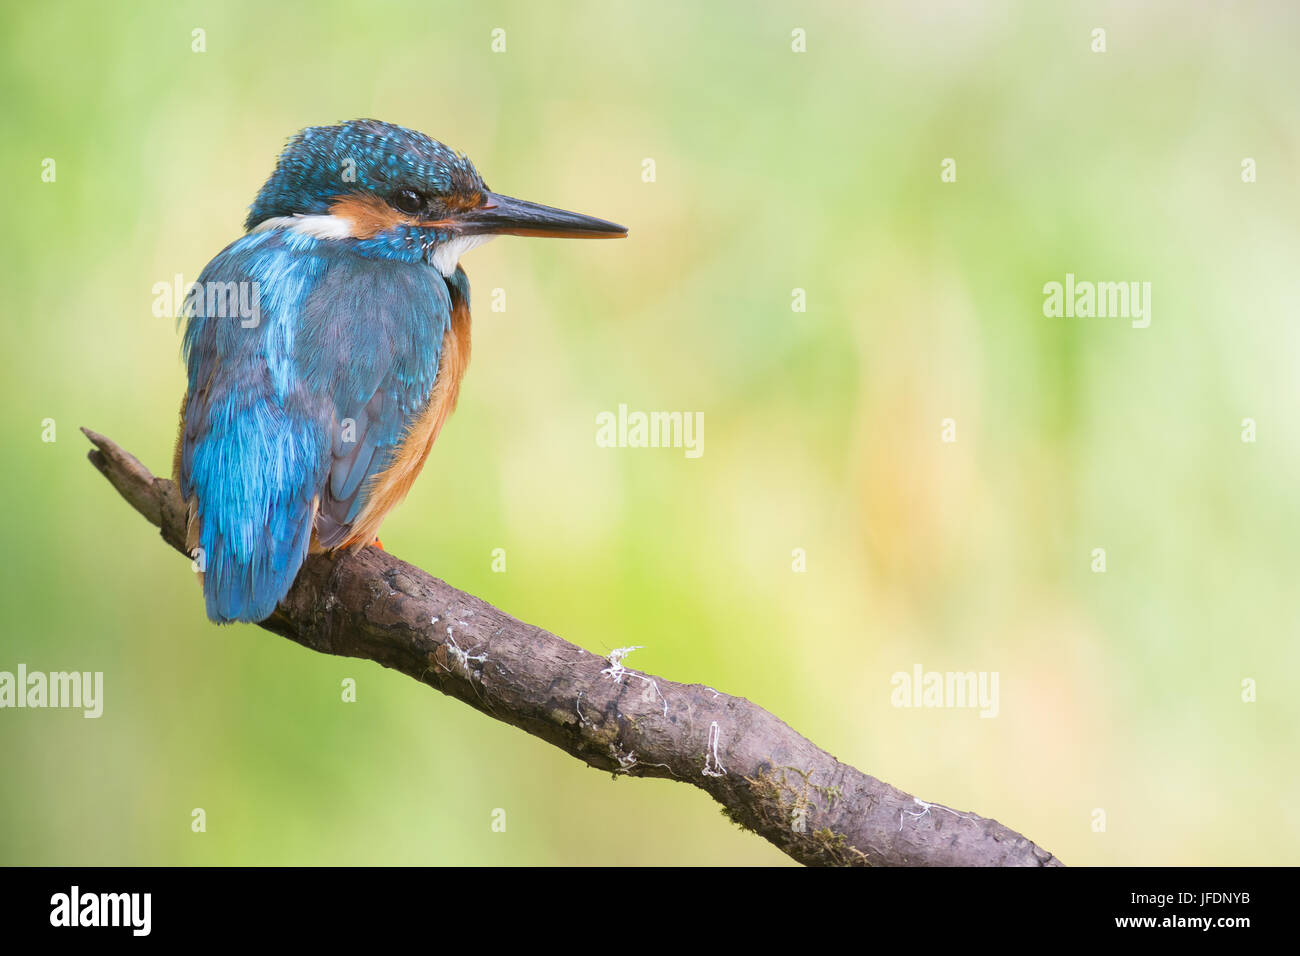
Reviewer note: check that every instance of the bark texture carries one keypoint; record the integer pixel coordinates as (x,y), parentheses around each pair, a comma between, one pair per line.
(768,778)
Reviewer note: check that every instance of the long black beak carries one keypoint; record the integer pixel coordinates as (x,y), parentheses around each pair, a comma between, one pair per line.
(504,216)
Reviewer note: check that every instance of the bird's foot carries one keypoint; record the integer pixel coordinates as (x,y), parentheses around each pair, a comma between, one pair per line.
(379,544)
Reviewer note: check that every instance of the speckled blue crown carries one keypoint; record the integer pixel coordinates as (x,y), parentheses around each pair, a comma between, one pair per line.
(364,155)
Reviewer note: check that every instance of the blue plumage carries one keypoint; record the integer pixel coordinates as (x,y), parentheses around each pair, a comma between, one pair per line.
(345,352)
(314,346)
(365,156)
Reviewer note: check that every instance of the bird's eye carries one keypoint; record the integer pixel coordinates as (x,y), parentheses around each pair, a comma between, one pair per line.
(408,200)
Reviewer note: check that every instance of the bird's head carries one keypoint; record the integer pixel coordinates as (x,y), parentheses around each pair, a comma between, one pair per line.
(365,179)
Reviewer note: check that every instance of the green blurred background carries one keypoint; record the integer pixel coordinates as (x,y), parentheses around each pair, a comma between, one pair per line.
(775,170)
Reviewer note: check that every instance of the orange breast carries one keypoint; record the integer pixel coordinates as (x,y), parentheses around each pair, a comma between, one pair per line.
(390,486)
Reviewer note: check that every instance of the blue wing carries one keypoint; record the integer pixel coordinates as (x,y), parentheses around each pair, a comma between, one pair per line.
(290,411)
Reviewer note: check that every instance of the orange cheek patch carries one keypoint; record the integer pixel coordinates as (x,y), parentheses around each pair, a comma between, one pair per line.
(369,215)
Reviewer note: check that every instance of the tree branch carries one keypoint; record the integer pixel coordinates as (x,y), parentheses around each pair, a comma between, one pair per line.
(768,778)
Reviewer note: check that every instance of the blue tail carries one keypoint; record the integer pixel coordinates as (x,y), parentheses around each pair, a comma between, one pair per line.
(255,475)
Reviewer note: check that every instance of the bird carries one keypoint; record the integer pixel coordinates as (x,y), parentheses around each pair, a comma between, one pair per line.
(324,350)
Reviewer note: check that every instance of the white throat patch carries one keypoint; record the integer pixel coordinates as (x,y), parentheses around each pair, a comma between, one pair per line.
(446,255)
(320,227)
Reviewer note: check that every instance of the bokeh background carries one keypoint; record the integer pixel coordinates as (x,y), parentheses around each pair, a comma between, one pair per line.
(775,170)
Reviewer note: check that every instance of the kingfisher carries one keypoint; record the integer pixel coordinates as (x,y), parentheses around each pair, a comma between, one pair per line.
(325,349)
